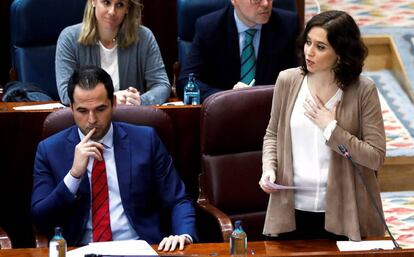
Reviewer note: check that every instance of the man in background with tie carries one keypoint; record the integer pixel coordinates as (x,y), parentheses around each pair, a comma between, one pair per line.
(102,180)
(245,40)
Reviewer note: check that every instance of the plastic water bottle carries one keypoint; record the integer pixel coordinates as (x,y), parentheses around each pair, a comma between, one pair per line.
(191,91)
(57,246)
(238,240)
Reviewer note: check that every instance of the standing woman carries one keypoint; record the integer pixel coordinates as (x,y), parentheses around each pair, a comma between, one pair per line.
(111,36)
(315,108)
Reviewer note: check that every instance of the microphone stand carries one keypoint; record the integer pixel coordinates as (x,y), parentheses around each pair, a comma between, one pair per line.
(345,152)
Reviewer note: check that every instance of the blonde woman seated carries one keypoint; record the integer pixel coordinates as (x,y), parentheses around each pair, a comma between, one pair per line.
(111,37)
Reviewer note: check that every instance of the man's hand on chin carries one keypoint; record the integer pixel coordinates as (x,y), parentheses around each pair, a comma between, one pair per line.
(170,243)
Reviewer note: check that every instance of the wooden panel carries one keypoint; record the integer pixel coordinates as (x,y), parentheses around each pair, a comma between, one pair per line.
(383,54)
(300,6)
(397,174)
(380,52)
(160,17)
(5,60)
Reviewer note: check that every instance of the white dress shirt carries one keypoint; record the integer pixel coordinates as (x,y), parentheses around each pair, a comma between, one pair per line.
(311,156)
(121,228)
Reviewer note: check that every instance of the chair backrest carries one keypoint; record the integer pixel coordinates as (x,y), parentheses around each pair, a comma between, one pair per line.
(138,115)
(35,26)
(233,124)
(188,11)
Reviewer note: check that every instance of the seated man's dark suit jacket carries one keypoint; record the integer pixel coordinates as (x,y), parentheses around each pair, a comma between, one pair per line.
(148,182)
(214,56)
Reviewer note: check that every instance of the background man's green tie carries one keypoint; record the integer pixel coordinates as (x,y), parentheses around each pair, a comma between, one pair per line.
(248,58)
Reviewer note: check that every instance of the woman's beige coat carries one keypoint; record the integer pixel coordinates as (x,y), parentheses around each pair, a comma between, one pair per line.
(360,128)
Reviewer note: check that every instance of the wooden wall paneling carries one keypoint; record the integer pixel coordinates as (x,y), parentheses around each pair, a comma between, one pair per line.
(5,58)
(160,17)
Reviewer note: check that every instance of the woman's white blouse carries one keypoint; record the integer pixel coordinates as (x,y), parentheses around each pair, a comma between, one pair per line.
(109,62)
(310,154)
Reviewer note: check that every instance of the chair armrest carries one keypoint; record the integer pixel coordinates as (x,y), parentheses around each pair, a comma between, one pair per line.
(12,74)
(300,9)
(5,242)
(176,73)
(222,219)
(204,204)
(41,239)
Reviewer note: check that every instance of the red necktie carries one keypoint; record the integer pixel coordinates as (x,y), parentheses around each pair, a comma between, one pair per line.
(101,223)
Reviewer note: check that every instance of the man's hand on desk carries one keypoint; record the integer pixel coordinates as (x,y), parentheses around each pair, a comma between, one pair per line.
(170,243)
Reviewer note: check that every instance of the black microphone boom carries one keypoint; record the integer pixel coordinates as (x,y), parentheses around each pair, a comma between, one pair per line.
(345,152)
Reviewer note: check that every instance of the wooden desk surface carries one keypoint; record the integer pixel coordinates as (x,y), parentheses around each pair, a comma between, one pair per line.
(266,248)
(288,248)
(8,106)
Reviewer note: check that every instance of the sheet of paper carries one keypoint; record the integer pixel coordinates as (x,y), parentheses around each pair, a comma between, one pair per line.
(50,106)
(282,187)
(365,245)
(127,247)
(173,103)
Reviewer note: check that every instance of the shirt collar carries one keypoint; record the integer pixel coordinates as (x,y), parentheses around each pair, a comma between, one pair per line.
(241,27)
(107,141)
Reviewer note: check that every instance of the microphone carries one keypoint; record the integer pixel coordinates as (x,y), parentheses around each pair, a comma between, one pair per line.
(346,153)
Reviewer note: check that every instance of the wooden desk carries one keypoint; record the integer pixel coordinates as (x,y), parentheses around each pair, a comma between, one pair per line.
(289,248)
(268,248)
(21,131)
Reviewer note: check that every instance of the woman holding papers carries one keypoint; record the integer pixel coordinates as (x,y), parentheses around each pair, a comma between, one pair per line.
(317,107)
(111,37)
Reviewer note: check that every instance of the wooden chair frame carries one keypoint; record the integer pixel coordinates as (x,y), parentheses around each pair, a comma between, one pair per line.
(5,242)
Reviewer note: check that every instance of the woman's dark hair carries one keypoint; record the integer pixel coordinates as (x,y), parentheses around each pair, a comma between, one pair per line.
(345,38)
(88,77)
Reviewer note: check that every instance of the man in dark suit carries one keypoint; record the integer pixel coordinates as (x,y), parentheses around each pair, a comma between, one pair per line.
(215,54)
(141,183)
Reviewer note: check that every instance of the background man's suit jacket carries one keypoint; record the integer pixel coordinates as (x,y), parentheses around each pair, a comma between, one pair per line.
(215,56)
(149,186)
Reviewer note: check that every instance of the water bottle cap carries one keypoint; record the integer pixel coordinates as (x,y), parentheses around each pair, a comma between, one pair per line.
(58,230)
(238,223)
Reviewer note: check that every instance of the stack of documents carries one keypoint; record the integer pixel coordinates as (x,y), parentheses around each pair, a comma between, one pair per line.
(50,106)
(117,248)
(365,245)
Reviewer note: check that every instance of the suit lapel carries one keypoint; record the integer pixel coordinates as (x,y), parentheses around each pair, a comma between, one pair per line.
(233,43)
(122,151)
(267,47)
